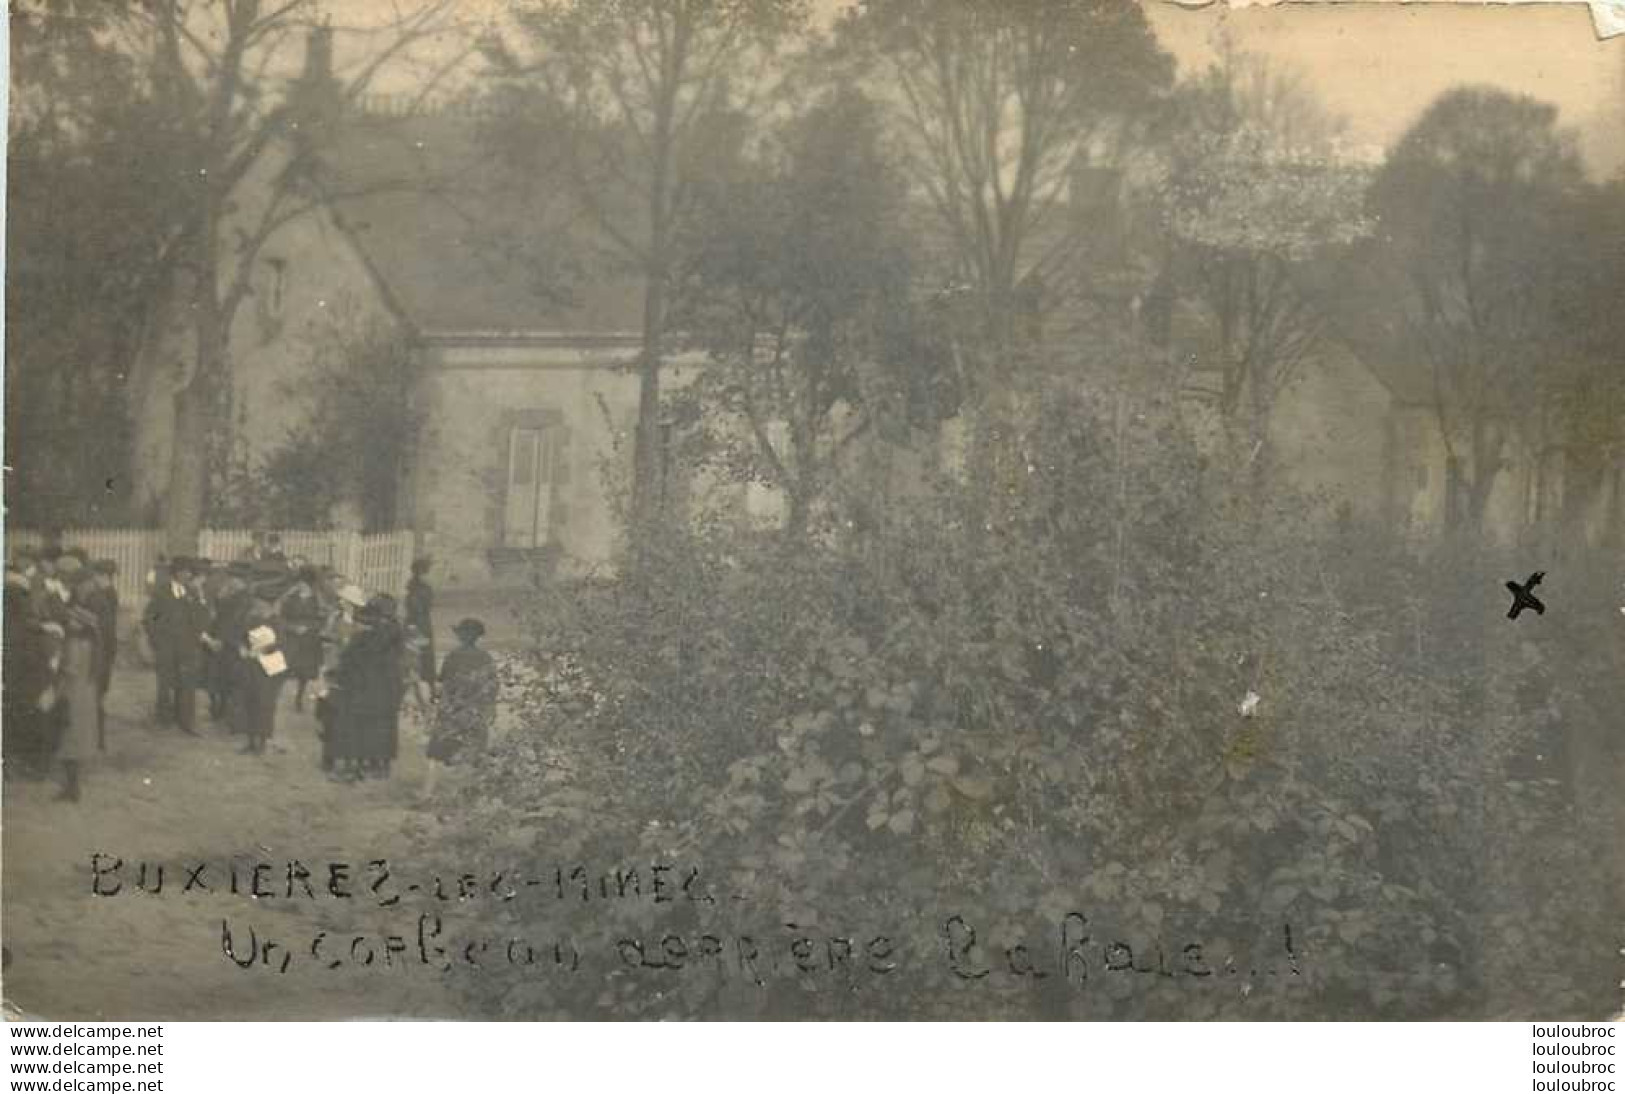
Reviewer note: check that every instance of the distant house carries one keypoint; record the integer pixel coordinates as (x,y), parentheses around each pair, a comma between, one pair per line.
(1538,486)
(1359,426)
(526,390)
(1352,426)
(527,395)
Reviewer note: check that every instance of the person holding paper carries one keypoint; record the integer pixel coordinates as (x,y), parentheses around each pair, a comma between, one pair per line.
(260,670)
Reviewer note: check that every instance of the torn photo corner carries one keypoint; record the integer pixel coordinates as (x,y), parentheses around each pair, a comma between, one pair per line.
(889,511)
(1607,16)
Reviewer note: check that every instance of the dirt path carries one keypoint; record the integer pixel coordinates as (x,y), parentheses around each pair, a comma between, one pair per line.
(160,796)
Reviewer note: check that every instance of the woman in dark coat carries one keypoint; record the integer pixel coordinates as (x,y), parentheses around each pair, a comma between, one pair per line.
(420,617)
(302,620)
(28,693)
(77,678)
(371,683)
(468,702)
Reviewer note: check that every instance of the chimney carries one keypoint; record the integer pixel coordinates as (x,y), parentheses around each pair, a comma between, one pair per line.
(316,95)
(319,56)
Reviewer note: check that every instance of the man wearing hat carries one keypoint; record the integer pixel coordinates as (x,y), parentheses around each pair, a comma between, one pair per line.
(177,618)
(272,551)
(155,580)
(215,576)
(231,604)
(101,598)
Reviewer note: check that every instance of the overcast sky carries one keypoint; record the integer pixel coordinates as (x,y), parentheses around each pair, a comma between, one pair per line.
(1377,64)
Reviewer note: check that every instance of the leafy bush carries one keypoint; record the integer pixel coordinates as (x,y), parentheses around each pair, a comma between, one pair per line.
(1017,718)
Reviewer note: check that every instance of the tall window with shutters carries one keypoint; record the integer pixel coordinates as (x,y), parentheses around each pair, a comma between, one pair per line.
(532,466)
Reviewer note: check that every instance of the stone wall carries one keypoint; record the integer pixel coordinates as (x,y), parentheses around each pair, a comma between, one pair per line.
(578,391)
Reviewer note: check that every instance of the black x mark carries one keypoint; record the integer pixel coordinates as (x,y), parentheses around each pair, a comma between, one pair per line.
(1523,596)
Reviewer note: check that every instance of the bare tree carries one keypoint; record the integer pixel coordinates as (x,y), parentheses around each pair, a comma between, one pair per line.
(631,89)
(1256,194)
(998,107)
(213,66)
(998,103)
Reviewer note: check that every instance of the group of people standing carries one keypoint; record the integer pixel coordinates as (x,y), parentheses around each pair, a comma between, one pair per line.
(240,632)
(60,641)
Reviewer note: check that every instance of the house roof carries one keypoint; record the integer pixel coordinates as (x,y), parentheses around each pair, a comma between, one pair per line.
(460,247)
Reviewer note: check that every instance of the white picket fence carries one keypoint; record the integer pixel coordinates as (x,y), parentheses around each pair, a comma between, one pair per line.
(380,563)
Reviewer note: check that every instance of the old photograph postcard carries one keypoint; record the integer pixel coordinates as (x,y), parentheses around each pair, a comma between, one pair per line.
(813,510)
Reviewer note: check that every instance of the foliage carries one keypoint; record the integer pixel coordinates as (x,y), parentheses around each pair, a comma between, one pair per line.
(1242,193)
(1254,194)
(363,428)
(870,736)
(82,262)
(798,285)
(1473,204)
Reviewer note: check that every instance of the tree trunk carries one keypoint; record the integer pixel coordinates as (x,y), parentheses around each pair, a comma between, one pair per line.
(1613,529)
(647,450)
(647,457)
(1260,453)
(1467,498)
(994,437)
(188,470)
(195,414)
(1478,498)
